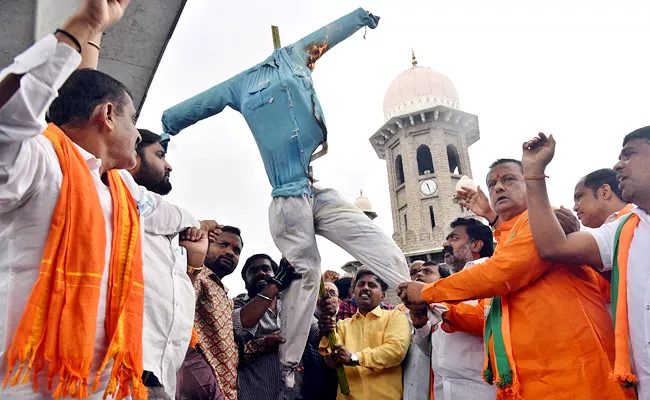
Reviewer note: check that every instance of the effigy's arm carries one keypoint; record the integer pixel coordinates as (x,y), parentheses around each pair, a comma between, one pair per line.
(309,49)
(203,105)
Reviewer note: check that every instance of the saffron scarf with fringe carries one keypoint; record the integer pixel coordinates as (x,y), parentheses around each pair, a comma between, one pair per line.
(499,365)
(58,325)
(622,367)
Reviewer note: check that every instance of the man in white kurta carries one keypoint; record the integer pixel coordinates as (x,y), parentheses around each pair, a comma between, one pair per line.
(457,358)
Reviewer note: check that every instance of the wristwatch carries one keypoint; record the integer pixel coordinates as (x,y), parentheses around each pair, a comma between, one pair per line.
(354,359)
(192,270)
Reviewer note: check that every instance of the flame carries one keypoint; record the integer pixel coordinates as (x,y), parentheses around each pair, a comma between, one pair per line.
(315,53)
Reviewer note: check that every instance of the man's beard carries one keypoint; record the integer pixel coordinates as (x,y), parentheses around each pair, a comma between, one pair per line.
(457,261)
(220,268)
(152,181)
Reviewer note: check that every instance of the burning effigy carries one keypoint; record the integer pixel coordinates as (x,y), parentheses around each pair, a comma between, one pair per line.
(277,99)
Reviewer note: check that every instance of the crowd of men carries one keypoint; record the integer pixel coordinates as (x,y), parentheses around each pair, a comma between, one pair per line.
(108,290)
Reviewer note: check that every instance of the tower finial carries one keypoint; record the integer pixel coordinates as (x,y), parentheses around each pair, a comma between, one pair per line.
(414,61)
(361,193)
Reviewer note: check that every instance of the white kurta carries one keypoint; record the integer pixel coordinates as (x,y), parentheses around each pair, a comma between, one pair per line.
(456,360)
(30,181)
(638,290)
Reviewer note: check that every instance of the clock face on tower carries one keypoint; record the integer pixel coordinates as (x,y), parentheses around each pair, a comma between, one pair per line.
(428,187)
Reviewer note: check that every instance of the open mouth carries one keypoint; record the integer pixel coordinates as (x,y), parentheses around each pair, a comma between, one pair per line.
(364,296)
(501,198)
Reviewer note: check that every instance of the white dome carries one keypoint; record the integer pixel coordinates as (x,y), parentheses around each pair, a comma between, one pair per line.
(417,89)
(363,204)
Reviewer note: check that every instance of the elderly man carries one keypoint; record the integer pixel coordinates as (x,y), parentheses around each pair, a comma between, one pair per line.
(620,247)
(417,364)
(527,293)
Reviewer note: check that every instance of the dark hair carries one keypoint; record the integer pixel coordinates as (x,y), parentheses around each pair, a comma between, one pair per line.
(641,133)
(476,230)
(364,271)
(605,176)
(148,138)
(343,285)
(443,271)
(234,231)
(506,161)
(84,90)
(254,258)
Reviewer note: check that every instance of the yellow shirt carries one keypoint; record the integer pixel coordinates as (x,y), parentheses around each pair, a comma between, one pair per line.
(381,340)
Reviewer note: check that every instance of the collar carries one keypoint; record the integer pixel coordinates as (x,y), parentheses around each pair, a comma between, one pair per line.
(506,226)
(93,162)
(377,312)
(475,262)
(209,274)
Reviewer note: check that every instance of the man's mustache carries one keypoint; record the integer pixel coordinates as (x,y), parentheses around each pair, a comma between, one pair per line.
(448,249)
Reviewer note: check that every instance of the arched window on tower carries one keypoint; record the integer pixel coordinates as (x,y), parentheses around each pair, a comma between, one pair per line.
(425,162)
(399,170)
(454,160)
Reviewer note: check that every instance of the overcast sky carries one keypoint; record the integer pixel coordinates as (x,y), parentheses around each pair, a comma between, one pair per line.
(577,69)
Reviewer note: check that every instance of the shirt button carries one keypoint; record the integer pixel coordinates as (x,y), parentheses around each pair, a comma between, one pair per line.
(271,100)
(647,307)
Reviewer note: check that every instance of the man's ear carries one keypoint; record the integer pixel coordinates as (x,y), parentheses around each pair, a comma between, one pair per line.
(103,116)
(605,191)
(476,246)
(383,296)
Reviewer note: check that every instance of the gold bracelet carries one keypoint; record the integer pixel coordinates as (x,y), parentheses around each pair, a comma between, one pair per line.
(193,270)
(95,45)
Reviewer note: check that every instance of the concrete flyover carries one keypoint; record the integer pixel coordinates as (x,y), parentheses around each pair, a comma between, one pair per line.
(131,49)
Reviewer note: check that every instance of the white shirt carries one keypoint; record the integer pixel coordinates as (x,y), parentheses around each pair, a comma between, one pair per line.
(169,298)
(456,360)
(638,290)
(30,179)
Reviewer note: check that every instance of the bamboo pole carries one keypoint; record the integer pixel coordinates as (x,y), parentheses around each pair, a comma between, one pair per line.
(340,371)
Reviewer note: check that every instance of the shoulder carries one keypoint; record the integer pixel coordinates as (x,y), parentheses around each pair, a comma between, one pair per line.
(240,300)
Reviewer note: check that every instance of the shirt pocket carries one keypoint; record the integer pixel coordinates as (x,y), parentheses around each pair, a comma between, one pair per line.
(259,95)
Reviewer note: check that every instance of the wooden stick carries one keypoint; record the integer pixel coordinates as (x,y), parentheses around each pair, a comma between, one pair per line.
(340,371)
(276,37)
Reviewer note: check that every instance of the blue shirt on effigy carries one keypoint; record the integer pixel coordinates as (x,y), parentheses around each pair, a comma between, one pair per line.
(278,101)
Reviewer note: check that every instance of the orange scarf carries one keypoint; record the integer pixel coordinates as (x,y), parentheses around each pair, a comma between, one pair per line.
(59,321)
(194,340)
(622,368)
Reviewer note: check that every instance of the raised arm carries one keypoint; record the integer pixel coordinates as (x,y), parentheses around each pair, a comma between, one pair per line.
(309,49)
(551,241)
(203,105)
(30,84)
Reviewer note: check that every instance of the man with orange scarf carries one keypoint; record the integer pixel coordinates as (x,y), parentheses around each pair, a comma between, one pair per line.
(71,298)
(538,345)
(620,246)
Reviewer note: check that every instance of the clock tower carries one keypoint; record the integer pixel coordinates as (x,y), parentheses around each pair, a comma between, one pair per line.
(424,140)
